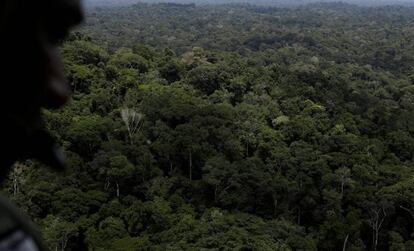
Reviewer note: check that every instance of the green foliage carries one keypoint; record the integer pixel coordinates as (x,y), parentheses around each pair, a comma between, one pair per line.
(259,129)
(57,232)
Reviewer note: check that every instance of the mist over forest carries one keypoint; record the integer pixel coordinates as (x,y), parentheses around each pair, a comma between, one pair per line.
(91,3)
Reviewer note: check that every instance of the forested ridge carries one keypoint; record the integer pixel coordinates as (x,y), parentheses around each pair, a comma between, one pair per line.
(232,127)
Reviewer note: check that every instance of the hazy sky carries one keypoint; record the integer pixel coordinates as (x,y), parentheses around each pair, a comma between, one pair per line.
(365,2)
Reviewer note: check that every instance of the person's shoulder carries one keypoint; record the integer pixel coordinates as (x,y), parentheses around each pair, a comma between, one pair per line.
(16,230)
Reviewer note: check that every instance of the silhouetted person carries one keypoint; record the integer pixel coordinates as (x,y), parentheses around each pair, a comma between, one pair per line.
(31,77)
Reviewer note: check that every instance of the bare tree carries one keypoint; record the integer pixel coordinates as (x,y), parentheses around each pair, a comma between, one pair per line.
(133,121)
(376,220)
(344,175)
(16,177)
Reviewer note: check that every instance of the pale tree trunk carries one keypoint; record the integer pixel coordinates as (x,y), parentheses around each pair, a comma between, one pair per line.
(130,136)
(15,184)
(117,189)
(345,242)
(345,177)
(64,242)
(16,175)
(107,184)
(190,156)
(376,221)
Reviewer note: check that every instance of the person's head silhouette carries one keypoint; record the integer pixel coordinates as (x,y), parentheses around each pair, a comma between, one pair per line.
(32,74)
(31,77)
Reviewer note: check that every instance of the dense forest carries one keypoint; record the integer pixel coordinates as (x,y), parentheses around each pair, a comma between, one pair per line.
(232,127)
